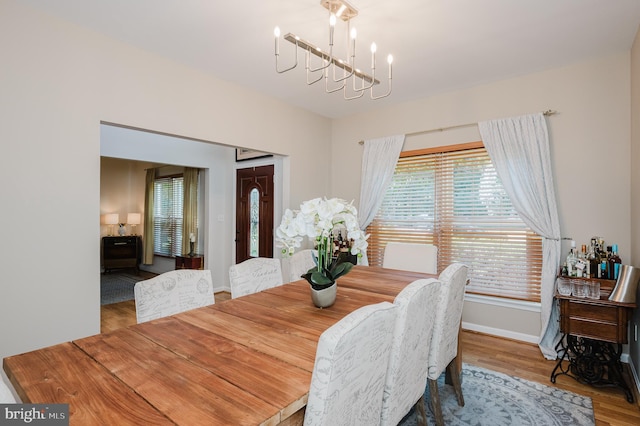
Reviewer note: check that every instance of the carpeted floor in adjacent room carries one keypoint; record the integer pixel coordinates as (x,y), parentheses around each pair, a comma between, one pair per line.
(118,286)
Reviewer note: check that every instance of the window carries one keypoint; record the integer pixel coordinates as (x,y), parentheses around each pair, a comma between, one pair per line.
(168,196)
(454,199)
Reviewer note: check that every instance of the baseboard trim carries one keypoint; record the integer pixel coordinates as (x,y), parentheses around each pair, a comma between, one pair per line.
(500,332)
(635,378)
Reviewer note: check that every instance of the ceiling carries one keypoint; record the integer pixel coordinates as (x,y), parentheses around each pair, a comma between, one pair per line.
(437,45)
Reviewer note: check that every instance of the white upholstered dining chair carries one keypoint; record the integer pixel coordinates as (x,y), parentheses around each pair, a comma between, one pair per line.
(299,263)
(254,275)
(411,257)
(173,292)
(444,342)
(350,367)
(6,396)
(406,378)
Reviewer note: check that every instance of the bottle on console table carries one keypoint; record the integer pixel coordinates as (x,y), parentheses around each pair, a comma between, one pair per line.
(614,263)
(594,260)
(572,258)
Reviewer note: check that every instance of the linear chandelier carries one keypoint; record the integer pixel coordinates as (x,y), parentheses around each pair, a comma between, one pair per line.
(338,74)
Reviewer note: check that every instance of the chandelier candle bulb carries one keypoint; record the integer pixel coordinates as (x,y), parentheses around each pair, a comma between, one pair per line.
(354,34)
(332,26)
(373,58)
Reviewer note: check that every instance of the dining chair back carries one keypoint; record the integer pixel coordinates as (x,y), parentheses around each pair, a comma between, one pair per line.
(254,275)
(350,367)
(406,378)
(173,292)
(299,263)
(6,396)
(444,342)
(411,257)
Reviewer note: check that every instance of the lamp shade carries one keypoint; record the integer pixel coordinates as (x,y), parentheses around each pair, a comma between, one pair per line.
(111,218)
(133,218)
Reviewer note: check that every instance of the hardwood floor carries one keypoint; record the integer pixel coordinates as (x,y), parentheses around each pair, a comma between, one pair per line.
(507,356)
(524,360)
(123,314)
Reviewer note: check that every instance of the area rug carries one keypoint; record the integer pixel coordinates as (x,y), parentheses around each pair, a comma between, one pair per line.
(496,399)
(118,287)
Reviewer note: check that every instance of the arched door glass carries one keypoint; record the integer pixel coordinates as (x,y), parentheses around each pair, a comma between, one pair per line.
(254,235)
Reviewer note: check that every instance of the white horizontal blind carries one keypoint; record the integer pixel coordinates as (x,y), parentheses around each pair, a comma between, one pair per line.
(456,201)
(168,195)
(407,212)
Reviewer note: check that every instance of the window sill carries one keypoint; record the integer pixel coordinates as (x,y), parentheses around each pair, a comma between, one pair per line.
(506,303)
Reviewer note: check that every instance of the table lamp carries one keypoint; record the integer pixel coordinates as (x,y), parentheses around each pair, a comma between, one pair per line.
(133,219)
(111,219)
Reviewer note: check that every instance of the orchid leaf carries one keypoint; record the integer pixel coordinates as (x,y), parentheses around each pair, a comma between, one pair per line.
(320,279)
(341,270)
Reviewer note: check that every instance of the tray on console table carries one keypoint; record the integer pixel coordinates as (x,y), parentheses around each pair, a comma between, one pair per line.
(593,333)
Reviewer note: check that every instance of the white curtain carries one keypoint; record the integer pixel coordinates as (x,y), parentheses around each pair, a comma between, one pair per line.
(519,149)
(378,164)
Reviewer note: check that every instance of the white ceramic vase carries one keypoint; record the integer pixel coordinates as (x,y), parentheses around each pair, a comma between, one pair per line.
(325,297)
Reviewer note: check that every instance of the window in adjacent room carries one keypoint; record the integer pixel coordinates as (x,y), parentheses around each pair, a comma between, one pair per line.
(168,195)
(453,198)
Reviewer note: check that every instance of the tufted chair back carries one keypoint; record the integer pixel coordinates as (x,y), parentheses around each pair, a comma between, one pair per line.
(254,275)
(173,292)
(444,342)
(350,367)
(411,257)
(407,372)
(297,264)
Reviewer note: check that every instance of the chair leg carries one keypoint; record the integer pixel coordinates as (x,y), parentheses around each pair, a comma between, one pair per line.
(454,373)
(435,402)
(421,415)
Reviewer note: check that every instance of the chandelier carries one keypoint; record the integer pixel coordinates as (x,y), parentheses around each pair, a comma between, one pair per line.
(338,74)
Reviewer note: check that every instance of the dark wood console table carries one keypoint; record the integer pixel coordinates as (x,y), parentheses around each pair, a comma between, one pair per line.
(121,252)
(190,262)
(593,333)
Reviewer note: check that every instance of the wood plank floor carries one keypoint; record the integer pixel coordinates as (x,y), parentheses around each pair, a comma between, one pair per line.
(507,356)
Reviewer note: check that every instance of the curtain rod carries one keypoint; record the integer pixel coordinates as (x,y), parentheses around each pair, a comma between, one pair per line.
(442,129)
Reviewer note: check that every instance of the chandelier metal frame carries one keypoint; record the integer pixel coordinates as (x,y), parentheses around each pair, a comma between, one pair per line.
(341,70)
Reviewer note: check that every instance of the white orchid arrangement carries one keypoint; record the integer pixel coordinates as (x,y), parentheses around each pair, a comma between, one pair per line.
(317,220)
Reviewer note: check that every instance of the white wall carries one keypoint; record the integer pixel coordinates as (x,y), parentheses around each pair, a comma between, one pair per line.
(634,345)
(122,188)
(589,140)
(58,82)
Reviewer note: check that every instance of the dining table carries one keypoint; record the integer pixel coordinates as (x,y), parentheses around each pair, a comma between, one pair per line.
(244,361)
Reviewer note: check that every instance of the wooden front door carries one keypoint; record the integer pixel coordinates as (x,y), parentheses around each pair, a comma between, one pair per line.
(254,212)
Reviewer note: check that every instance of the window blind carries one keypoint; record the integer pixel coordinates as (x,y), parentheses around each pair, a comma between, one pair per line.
(168,195)
(455,200)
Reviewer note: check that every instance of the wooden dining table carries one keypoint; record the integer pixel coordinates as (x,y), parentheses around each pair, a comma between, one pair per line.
(245,361)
